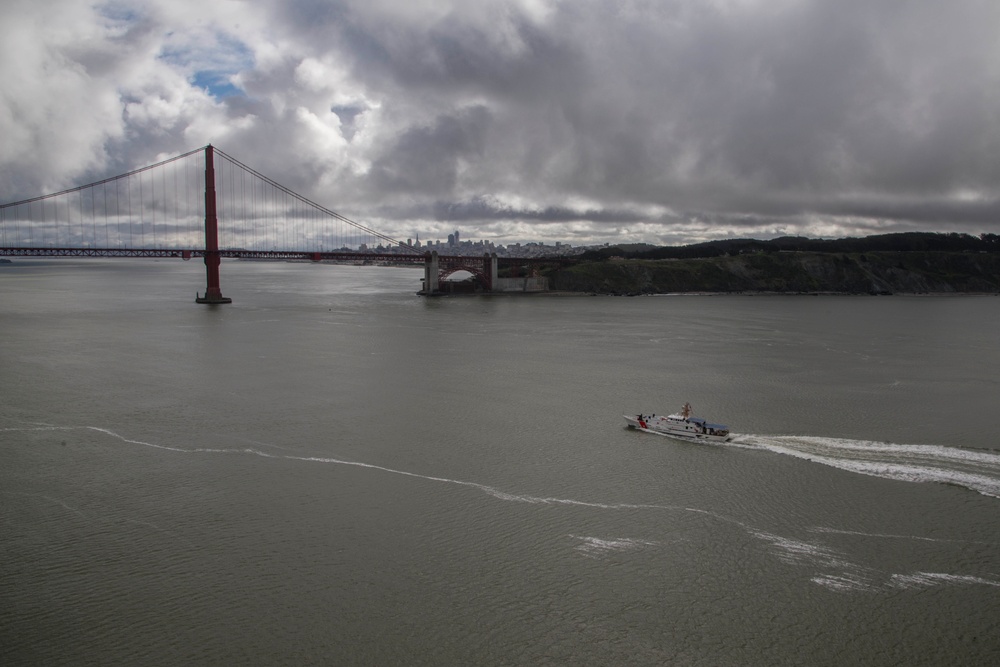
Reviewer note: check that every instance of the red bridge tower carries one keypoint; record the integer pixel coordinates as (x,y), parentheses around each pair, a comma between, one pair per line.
(213,293)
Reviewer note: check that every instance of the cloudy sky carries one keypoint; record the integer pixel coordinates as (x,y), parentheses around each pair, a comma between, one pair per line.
(581,121)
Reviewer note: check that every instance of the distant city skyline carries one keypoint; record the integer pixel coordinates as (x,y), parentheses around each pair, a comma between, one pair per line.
(455,244)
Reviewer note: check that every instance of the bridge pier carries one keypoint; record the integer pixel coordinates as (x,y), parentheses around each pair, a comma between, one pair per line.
(484,270)
(431,284)
(213,292)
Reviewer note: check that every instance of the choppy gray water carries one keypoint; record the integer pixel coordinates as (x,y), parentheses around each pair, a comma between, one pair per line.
(334,471)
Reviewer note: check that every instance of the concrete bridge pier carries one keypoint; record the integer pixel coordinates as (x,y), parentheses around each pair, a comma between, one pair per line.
(484,270)
(213,292)
(431,284)
(490,260)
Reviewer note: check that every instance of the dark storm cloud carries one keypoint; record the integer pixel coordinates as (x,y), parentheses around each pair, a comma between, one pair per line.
(852,99)
(426,159)
(348,114)
(985,213)
(715,107)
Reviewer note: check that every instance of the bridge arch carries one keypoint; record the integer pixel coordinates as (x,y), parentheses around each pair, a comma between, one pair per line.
(438,267)
(478,274)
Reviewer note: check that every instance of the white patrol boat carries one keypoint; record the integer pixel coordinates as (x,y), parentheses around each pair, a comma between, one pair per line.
(681,425)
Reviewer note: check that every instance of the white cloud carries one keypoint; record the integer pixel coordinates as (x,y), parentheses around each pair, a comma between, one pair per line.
(55,111)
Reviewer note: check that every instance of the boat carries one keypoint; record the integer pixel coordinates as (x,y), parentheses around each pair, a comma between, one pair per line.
(680,425)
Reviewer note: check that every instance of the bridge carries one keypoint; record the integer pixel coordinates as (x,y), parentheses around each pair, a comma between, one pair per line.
(207,204)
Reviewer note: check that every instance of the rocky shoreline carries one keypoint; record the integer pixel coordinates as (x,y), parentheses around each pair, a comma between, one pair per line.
(874,273)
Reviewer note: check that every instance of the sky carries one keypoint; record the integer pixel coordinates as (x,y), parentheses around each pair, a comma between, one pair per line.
(578,121)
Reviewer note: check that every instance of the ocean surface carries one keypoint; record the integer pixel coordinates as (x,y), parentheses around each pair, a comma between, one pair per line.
(334,471)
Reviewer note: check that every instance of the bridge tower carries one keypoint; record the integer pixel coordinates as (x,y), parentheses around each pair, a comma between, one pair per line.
(213,292)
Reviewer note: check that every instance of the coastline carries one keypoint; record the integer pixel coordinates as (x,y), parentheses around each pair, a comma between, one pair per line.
(746,293)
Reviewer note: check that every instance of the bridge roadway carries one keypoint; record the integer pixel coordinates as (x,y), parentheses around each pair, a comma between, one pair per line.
(239,253)
(436,267)
(188,253)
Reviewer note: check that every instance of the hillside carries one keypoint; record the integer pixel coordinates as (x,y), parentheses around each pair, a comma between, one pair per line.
(878,272)
(903,242)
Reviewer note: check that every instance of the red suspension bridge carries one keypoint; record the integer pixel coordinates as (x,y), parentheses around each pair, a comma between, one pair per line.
(208,204)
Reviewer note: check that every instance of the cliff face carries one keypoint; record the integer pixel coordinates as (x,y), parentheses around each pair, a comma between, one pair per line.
(791,272)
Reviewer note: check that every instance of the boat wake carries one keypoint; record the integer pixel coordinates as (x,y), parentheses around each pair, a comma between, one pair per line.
(974,470)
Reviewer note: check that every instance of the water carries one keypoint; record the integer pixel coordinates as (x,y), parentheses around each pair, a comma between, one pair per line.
(334,471)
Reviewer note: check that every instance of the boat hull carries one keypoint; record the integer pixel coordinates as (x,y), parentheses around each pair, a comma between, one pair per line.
(681,431)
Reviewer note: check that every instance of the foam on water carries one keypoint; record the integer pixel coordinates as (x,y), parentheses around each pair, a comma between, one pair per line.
(928,579)
(974,470)
(836,531)
(596,547)
(843,582)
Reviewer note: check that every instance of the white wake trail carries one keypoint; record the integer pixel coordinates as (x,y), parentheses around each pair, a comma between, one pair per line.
(972,469)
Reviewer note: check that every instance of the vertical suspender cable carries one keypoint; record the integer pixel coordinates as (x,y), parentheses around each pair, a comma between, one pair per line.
(187,197)
(142,205)
(131,241)
(83,223)
(118,219)
(176,216)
